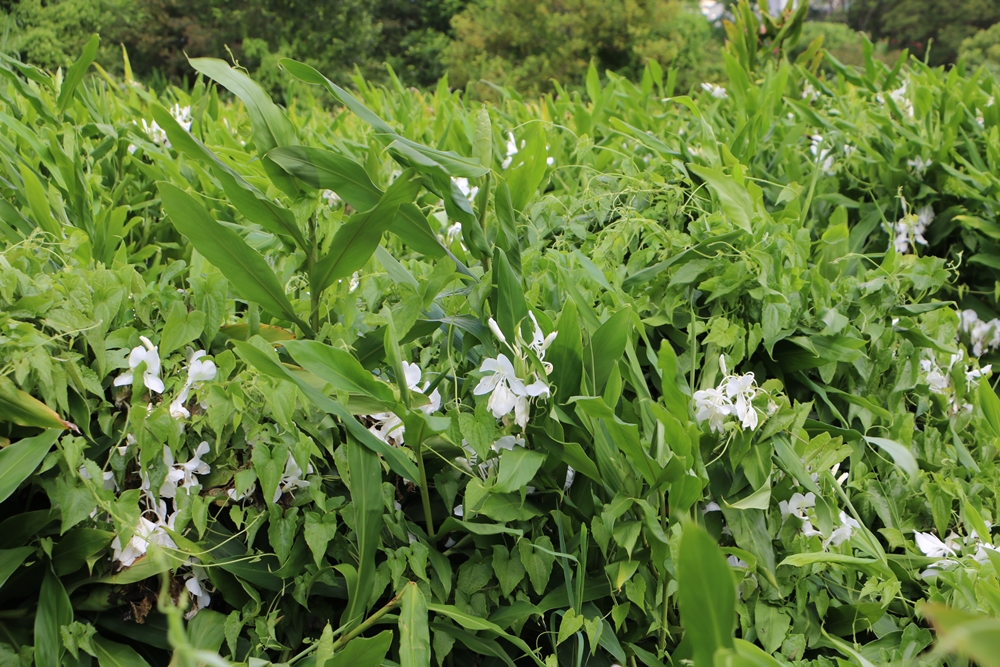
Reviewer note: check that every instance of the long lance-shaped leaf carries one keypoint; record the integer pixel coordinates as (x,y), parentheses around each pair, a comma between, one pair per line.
(54,611)
(113,654)
(271,126)
(357,239)
(340,369)
(452,163)
(22,408)
(366,495)
(75,72)
(706,595)
(250,201)
(395,457)
(326,170)
(20,460)
(414,634)
(244,267)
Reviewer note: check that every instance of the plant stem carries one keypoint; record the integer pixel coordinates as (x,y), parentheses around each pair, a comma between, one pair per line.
(425,494)
(371,620)
(662,642)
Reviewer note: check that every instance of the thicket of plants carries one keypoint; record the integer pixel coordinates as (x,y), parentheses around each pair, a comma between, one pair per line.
(617,378)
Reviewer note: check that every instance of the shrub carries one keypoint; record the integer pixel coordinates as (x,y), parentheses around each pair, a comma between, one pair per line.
(526,44)
(983,49)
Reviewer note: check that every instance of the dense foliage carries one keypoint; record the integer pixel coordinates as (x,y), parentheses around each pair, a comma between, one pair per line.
(616,378)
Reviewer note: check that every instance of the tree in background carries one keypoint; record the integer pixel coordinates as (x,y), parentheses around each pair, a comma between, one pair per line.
(912,24)
(528,43)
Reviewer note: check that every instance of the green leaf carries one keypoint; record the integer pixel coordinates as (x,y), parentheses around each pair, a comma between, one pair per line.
(319,530)
(75,72)
(340,369)
(20,407)
(517,467)
(569,625)
(38,202)
(248,272)
(972,636)
(356,240)
(414,634)
(606,347)
(475,623)
(900,454)
(706,595)
(181,328)
(77,546)
(734,198)
(323,169)
(397,460)
(207,630)
(990,405)
(19,461)
(366,495)
(482,139)
(54,611)
(566,354)
(113,654)
(811,558)
(511,305)
(10,560)
(363,651)
(250,201)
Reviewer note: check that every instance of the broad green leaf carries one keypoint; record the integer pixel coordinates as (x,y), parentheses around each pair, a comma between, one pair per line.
(810,558)
(475,623)
(366,496)
(990,405)
(511,305)
(19,461)
(34,192)
(363,651)
(414,634)
(77,546)
(706,595)
(395,457)
(673,397)
(10,560)
(113,654)
(517,467)
(901,456)
(734,198)
(478,645)
(566,355)
(340,369)
(54,611)
(606,347)
(22,408)
(356,240)
(972,636)
(75,72)
(482,141)
(248,272)
(207,630)
(250,201)
(323,169)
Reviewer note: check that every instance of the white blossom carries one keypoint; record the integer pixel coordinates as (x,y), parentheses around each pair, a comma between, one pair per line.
(200,598)
(331,198)
(145,353)
(570,478)
(146,532)
(107,475)
(716,91)
(911,227)
(798,506)
(899,97)
(511,150)
(198,371)
(982,334)
(292,478)
(733,396)
(843,532)
(182,115)
(919,165)
(932,546)
(388,426)
(824,156)
(453,232)
(463,185)
(155,133)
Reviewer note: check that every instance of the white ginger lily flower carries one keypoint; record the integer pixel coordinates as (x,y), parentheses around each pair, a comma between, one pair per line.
(798,506)
(388,426)
(507,391)
(145,353)
(919,165)
(331,198)
(200,598)
(198,371)
(463,185)
(292,478)
(733,396)
(511,150)
(824,156)
(932,546)
(146,532)
(843,532)
(716,91)
(182,115)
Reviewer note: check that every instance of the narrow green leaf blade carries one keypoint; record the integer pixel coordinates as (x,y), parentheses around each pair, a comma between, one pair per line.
(75,72)
(414,635)
(339,368)
(54,611)
(19,461)
(366,494)
(706,595)
(113,654)
(248,272)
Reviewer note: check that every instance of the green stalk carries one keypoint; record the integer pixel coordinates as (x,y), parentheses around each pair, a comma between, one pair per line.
(425,495)
(662,640)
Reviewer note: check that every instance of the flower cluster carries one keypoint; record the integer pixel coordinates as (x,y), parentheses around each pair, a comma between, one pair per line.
(919,165)
(799,506)
(910,228)
(388,426)
(939,380)
(199,370)
(950,549)
(824,156)
(733,396)
(901,100)
(981,334)
(331,198)
(508,392)
(715,90)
